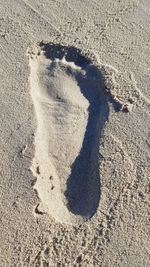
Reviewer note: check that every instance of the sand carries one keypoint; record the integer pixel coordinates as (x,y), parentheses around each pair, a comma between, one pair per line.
(74,150)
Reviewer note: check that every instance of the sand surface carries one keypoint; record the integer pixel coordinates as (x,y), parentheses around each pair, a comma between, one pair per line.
(75,133)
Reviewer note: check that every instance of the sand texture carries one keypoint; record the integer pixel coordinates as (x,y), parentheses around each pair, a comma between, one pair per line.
(75,133)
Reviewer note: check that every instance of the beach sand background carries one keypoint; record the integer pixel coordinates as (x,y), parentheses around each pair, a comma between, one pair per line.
(115,35)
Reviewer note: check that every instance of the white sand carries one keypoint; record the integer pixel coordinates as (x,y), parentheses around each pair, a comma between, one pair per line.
(75,157)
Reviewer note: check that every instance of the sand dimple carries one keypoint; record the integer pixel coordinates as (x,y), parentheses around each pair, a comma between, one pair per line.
(71,109)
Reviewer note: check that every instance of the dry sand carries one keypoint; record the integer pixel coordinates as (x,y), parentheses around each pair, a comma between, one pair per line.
(75,133)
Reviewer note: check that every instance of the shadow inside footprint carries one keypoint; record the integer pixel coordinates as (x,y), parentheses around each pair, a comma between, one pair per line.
(83,184)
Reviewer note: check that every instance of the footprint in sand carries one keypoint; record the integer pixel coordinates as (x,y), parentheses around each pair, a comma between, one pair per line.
(71,110)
